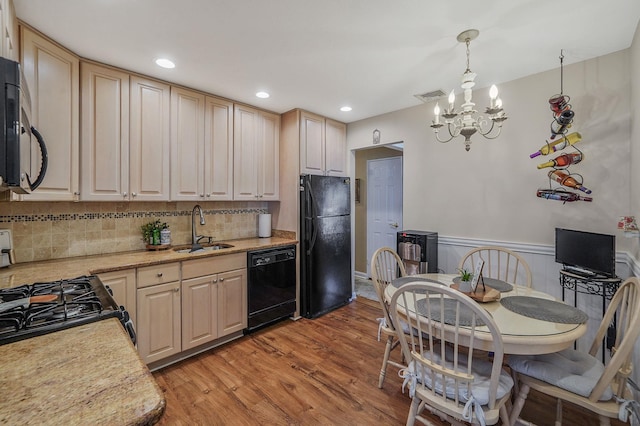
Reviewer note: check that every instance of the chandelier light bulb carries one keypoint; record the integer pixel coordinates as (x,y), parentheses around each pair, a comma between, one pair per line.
(452,99)
(436,113)
(493,92)
(499,103)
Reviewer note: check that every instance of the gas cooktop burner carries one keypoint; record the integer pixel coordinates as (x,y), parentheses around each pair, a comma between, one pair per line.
(72,302)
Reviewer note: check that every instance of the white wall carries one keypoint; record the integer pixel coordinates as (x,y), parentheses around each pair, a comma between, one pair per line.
(489,192)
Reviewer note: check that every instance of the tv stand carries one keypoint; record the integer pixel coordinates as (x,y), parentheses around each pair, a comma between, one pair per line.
(596,285)
(580,271)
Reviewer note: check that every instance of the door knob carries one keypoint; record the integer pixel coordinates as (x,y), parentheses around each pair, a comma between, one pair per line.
(395,224)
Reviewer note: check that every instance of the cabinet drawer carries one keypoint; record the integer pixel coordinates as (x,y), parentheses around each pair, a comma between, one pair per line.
(158,274)
(213,265)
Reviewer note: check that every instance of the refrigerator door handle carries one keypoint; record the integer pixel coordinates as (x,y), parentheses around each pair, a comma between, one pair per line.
(311,201)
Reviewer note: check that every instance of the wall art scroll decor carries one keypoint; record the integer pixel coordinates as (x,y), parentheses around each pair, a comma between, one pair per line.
(561,179)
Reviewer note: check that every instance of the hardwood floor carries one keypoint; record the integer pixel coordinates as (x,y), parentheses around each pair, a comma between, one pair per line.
(306,372)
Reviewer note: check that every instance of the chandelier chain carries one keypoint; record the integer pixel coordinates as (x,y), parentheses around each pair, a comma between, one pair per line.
(561,72)
(468,41)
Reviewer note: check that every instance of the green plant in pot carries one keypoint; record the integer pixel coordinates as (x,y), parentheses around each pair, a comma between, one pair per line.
(148,231)
(465,280)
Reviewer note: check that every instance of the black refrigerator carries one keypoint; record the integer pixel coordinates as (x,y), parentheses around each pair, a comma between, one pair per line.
(325,244)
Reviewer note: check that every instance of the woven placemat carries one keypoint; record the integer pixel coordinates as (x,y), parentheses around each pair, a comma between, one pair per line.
(464,319)
(544,309)
(410,279)
(499,285)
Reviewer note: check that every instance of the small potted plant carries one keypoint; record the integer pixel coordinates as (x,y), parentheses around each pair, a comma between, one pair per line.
(151,232)
(465,281)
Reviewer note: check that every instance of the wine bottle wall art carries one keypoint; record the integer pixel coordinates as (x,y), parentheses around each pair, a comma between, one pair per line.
(562,138)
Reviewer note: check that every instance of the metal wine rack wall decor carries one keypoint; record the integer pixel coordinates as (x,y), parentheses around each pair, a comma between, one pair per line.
(560,178)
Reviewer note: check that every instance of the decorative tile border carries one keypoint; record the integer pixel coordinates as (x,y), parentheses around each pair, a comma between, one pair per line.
(119,215)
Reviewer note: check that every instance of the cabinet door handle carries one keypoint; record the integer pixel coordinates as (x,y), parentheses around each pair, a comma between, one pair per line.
(201,195)
(133,194)
(176,289)
(221,279)
(124,195)
(159,274)
(215,281)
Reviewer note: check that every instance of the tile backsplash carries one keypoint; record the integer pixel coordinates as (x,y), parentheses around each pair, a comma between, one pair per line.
(55,230)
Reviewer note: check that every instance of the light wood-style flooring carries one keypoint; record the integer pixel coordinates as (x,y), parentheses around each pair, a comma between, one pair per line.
(306,372)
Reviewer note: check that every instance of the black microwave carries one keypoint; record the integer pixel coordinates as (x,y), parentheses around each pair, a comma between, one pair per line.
(24,155)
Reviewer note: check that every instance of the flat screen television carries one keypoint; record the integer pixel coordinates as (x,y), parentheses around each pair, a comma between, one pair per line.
(586,253)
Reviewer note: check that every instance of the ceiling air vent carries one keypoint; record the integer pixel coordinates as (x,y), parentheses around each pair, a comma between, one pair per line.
(430,96)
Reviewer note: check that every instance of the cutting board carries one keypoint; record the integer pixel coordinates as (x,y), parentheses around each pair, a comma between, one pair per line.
(26,301)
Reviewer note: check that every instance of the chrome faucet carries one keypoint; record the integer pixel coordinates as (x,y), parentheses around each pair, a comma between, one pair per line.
(195,245)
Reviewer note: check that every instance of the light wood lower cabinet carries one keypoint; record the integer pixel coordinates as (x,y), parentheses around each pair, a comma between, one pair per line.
(214,298)
(123,285)
(159,311)
(175,315)
(199,304)
(159,318)
(232,302)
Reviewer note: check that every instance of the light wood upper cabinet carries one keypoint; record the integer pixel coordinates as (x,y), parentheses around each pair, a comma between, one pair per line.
(256,154)
(335,148)
(218,149)
(187,145)
(53,77)
(312,146)
(9,30)
(322,145)
(149,140)
(201,147)
(104,133)
(125,136)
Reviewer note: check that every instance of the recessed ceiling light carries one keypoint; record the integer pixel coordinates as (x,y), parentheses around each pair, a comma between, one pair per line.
(345,109)
(165,63)
(262,95)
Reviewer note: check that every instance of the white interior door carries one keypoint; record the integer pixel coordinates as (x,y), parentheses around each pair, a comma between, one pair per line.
(384,204)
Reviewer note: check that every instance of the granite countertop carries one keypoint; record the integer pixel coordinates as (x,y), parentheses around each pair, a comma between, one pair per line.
(51,270)
(90,374)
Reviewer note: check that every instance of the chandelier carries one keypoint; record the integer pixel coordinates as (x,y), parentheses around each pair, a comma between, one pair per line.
(466,122)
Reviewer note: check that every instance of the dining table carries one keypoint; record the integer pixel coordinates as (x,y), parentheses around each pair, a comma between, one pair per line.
(530,321)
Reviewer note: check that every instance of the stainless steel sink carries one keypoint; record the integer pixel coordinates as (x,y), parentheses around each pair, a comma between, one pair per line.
(219,246)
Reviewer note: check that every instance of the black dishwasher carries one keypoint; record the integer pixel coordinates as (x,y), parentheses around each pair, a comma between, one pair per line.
(272,285)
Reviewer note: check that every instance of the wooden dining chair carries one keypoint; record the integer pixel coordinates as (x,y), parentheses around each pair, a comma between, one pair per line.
(444,377)
(386,265)
(581,378)
(499,263)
